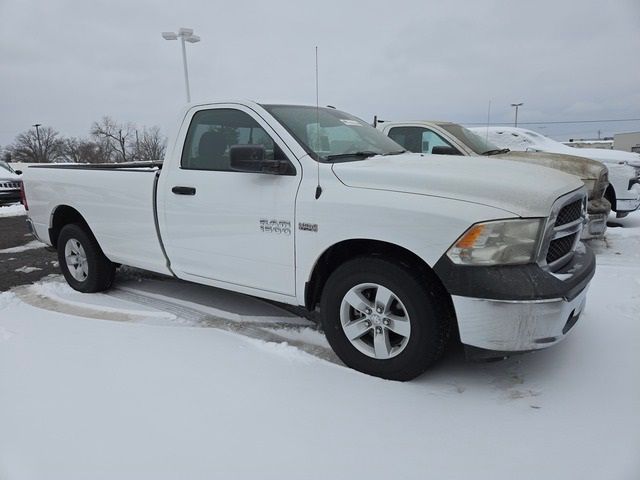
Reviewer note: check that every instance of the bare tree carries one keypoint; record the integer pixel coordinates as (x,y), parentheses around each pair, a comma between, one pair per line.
(150,144)
(31,147)
(71,150)
(82,150)
(116,137)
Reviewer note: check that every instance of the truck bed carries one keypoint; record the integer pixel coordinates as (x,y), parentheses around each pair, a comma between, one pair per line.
(117,200)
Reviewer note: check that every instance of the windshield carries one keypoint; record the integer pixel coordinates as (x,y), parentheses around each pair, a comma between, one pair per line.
(338,135)
(475,142)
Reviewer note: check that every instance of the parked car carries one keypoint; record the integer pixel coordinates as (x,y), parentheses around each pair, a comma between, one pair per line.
(9,184)
(314,207)
(453,139)
(624,167)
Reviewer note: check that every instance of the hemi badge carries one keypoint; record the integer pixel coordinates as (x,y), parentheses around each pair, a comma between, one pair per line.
(310,227)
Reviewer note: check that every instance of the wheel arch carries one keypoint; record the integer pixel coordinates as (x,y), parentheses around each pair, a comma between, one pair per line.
(64,215)
(610,194)
(340,252)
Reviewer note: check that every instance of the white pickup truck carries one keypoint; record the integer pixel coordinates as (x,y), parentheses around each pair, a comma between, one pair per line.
(316,208)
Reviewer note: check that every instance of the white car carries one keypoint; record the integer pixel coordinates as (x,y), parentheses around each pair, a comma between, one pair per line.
(316,208)
(624,167)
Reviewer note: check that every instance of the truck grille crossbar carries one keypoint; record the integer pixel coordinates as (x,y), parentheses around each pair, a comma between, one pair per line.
(15,185)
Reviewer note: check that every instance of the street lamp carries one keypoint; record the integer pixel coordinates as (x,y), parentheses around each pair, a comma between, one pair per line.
(517,105)
(38,125)
(186,35)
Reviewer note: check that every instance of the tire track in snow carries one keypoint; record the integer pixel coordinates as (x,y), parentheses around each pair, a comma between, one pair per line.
(253,329)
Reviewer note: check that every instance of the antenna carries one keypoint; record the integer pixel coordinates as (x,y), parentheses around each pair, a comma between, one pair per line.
(318,187)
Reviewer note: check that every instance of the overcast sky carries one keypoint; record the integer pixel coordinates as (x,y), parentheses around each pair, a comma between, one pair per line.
(67,63)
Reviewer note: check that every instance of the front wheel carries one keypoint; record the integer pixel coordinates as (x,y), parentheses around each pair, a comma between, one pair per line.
(82,262)
(384,319)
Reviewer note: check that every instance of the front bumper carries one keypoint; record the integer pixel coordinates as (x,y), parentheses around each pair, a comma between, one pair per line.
(630,202)
(518,326)
(517,308)
(596,226)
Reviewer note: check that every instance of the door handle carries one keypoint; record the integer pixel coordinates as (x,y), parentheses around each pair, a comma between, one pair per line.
(184,190)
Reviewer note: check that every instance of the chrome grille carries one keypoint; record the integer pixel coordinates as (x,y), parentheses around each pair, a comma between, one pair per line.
(10,185)
(569,213)
(560,247)
(563,230)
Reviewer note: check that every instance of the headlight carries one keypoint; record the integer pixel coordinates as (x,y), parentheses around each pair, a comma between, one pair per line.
(590,183)
(504,242)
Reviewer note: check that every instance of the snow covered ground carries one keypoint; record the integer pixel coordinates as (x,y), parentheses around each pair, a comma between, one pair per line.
(12,210)
(161,379)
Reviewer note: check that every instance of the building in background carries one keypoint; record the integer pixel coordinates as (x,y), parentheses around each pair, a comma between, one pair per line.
(628,142)
(604,143)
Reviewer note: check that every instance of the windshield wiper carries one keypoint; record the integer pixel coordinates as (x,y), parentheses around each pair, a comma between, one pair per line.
(398,152)
(496,152)
(363,154)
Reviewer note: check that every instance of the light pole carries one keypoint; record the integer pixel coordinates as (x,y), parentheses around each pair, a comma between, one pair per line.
(517,105)
(186,35)
(38,125)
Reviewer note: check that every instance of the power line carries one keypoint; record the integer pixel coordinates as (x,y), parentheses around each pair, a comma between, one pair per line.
(564,122)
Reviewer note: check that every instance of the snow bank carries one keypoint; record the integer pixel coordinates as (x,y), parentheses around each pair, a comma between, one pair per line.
(27,269)
(33,244)
(12,210)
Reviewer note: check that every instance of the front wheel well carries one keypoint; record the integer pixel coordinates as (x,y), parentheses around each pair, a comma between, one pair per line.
(62,216)
(610,194)
(339,253)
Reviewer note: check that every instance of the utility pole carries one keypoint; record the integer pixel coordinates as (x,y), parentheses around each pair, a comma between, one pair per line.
(517,105)
(38,125)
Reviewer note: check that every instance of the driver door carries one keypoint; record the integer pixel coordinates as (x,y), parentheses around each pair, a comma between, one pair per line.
(228,226)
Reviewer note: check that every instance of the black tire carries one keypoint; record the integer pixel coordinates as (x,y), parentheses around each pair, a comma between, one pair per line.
(100,270)
(426,303)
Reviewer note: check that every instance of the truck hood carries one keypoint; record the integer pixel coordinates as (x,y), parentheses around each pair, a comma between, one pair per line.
(581,167)
(518,188)
(609,156)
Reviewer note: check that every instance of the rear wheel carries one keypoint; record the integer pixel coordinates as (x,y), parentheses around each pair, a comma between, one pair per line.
(82,262)
(383,319)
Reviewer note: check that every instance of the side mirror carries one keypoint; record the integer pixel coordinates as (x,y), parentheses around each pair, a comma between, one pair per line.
(445,151)
(18,172)
(251,159)
(247,158)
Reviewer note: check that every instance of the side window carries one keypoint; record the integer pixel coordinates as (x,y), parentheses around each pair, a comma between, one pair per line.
(418,139)
(212,133)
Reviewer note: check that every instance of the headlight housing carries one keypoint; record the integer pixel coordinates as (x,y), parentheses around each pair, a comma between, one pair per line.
(590,184)
(502,242)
